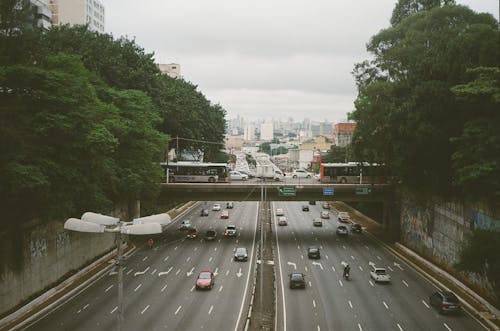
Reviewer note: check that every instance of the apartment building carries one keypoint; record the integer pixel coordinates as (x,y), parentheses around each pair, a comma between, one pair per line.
(90,12)
(343,132)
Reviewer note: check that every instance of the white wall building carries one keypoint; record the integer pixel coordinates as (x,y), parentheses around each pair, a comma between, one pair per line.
(170,69)
(91,12)
(266,131)
(249,132)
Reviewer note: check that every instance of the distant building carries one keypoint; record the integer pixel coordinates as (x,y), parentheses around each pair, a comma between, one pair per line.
(171,69)
(343,132)
(320,143)
(90,12)
(266,131)
(43,15)
(249,132)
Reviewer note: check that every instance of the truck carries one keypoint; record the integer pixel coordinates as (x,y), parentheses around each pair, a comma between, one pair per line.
(269,171)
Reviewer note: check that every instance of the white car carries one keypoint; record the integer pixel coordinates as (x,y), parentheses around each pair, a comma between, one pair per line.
(216,207)
(236,175)
(280,212)
(379,275)
(282,220)
(344,217)
(301,173)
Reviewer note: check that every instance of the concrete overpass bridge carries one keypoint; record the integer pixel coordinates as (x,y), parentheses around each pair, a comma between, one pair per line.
(277,191)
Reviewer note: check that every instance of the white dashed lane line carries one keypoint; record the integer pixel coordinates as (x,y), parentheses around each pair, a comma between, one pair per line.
(406,284)
(447,327)
(138,287)
(178,309)
(210,310)
(109,288)
(425,304)
(114,309)
(163,288)
(399,327)
(385,305)
(144,259)
(144,310)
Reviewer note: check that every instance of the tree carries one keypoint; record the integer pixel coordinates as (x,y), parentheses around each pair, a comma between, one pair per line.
(406,112)
(406,8)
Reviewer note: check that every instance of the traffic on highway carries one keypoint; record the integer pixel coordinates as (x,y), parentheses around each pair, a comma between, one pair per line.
(199,277)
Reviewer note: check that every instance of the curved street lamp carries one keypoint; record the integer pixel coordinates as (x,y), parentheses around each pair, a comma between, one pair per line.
(97,223)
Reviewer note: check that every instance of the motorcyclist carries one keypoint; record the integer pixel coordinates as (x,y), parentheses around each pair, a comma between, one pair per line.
(150,242)
(347,269)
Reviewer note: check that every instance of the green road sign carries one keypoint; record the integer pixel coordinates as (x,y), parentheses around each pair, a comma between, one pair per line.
(363,190)
(287,191)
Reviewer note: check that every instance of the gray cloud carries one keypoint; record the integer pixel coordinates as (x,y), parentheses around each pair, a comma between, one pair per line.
(263,58)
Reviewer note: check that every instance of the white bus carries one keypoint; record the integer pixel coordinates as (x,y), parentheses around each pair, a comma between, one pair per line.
(195,172)
(353,173)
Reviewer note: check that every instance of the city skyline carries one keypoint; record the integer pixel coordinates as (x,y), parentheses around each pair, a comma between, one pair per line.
(261,59)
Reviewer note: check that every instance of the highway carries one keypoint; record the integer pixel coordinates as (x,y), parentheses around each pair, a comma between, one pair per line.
(159,283)
(331,303)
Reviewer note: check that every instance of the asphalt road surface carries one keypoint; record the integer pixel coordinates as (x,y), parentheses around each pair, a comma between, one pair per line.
(331,303)
(159,283)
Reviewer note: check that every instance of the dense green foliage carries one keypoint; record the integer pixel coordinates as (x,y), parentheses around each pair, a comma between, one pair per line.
(85,120)
(422,107)
(338,154)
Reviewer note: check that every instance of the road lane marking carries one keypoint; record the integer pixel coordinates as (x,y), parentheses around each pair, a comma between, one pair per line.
(385,304)
(144,259)
(138,287)
(189,258)
(378,257)
(192,288)
(353,258)
(145,308)
(350,303)
(360,268)
(389,267)
(317,263)
(302,256)
(340,282)
(398,265)
(306,269)
(314,303)
(292,264)
(190,272)
(404,282)
(446,326)
(114,309)
(318,328)
(333,268)
(359,327)
(344,246)
(220,288)
(109,288)
(425,304)
(371,283)
(210,259)
(175,248)
(141,272)
(177,310)
(298,247)
(227,272)
(165,272)
(310,285)
(177,272)
(165,259)
(130,271)
(154,271)
(216,272)
(399,327)
(326,257)
(163,288)
(215,249)
(210,310)
(196,248)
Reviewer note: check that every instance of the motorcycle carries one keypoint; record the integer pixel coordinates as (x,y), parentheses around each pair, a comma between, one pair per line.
(346,275)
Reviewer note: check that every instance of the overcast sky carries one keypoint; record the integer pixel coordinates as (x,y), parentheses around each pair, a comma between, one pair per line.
(263,58)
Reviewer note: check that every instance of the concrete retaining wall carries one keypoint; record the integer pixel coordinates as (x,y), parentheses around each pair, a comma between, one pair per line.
(439,231)
(48,253)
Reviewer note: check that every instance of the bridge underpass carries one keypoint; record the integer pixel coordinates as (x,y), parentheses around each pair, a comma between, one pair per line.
(275,191)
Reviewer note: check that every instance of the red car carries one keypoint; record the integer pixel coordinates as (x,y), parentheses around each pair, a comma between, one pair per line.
(205,280)
(224,214)
(192,233)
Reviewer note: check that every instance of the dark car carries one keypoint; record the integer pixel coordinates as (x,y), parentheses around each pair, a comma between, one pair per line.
(356,228)
(205,280)
(305,208)
(326,205)
(204,212)
(445,302)
(313,252)
(312,202)
(297,280)
(210,235)
(191,233)
(240,254)
(230,205)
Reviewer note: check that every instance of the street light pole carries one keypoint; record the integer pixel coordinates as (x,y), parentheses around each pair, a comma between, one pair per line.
(97,223)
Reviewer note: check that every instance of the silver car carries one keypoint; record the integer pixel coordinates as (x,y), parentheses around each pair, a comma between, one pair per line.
(240,254)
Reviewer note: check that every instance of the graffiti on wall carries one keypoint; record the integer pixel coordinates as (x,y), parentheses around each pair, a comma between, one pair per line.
(62,239)
(38,247)
(484,222)
(417,224)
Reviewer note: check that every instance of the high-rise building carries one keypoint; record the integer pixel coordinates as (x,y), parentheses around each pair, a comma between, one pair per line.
(343,132)
(72,12)
(249,132)
(266,131)
(43,15)
(171,69)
